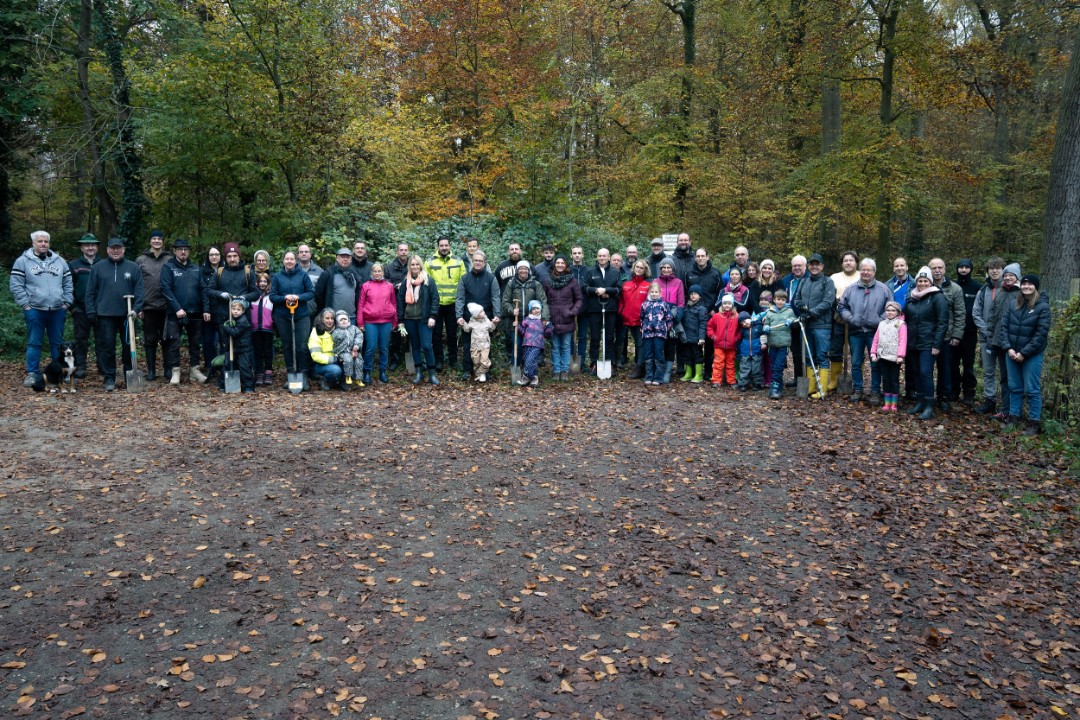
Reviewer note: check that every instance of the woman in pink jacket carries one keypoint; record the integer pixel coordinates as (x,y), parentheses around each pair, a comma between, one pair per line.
(376,315)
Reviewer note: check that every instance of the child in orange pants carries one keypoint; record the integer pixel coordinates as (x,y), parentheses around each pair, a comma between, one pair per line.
(725,333)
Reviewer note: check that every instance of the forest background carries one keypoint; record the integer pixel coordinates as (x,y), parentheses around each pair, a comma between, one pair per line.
(916,127)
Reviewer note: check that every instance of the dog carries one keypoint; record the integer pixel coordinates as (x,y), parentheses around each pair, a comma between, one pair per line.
(59,374)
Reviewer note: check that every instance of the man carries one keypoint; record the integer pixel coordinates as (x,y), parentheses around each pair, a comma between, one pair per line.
(471,246)
(964,381)
(233,279)
(848,276)
(522,289)
(80,275)
(395,272)
(742,259)
(313,270)
(337,287)
(815,298)
(476,286)
(861,308)
(993,362)
(791,283)
(954,334)
(705,275)
(617,263)
(655,256)
(41,284)
(579,269)
(181,284)
(508,268)
(446,270)
(900,284)
(360,266)
(542,271)
(601,290)
(631,254)
(683,257)
(111,281)
(155,309)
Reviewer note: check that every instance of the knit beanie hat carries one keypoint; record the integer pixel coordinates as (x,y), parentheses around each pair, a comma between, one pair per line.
(728,298)
(231,247)
(1031,278)
(475,309)
(964,263)
(523,264)
(534,305)
(695,289)
(1013,269)
(341,314)
(924,271)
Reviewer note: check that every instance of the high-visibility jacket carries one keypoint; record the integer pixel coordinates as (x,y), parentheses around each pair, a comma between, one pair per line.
(446,272)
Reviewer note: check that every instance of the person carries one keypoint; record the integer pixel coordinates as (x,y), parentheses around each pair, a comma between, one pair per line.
(80,275)
(564,305)
(517,294)
(695,321)
(1025,327)
(740,262)
(508,268)
(657,319)
(735,288)
(753,272)
(655,256)
(635,292)
(478,286)
(533,329)
(861,308)
(262,332)
(993,362)
(155,309)
(324,364)
(776,326)
(207,271)
(107,307)
(446,270)
(542,270)
(630,256)
(790,285)
(348,341)
(417,310)
(672,291)
(963,355)
(360,266)
(953,335)
(307,264)
(617,263)
(927,317)
(260,263)
(707,277)
(233,279)
(41,284)
(471,246)
(814,301)
(601,287)
(580,270)
(478,330)
(395,271)
(751,375)
(900,284)
(292,286)
(683,256)
(767,281)
(237,330)
(337,287)
(888,350)
(848,276)
(376,316)
(181,285)
(723,328)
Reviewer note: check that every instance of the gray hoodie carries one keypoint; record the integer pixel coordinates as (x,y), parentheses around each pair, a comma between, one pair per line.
(41,283)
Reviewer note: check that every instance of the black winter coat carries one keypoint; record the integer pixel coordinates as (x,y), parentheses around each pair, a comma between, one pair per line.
(428,301)
(237,282)
(181,284)
(607,278)
(927,321)
(240,332)
(710,280)
(695,321)
(1025,329)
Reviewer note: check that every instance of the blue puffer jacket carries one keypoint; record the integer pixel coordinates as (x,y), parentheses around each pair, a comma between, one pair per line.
(1026,329)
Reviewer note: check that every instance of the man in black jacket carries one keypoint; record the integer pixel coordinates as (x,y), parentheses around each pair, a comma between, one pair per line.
(476,286)
(601,290)
(181,284)
(337,287)
(232,280)
(107,289)
(965,352)
(80,276)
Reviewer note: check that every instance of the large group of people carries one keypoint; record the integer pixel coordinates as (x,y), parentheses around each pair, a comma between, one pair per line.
(651,316)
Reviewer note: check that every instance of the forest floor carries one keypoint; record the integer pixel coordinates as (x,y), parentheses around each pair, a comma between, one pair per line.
(584,550)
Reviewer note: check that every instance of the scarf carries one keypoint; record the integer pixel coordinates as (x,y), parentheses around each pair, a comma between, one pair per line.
(411,296)
(919,294)
(560,281)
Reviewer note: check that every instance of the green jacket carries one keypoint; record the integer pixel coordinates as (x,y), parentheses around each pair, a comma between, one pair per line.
(778,336)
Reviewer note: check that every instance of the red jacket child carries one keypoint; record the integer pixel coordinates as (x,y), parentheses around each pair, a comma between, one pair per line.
(724,330)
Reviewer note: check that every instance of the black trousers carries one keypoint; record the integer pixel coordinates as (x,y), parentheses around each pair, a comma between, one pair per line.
(153,322)
(445,321)
(174,329)
(963,366)
(83,327)
(108,327)
(598,321)
(797,350)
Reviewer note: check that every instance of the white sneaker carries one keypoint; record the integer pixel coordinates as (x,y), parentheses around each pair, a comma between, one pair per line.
(482,377)
(197,375)
(175,379)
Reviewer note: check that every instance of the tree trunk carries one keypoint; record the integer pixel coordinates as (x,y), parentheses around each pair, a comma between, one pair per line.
(828,230)
(885,114)
(1060,262)
(106,207)
(686,10)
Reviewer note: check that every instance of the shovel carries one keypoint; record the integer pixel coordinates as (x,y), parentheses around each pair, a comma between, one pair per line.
(813,366)
(134,380)
(575,359)
(515,371)
(232,375)
(802,383)
(296,378)
(603,366)
(846,384)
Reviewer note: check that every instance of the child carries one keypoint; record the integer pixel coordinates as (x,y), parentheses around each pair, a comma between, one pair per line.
(238,330)
(776,333)
(694,321)
(764,302)
(533,331)
(656,321)
(724,332)
(888,350)
(751,375)
(479,327)
(348,339)
(262,335)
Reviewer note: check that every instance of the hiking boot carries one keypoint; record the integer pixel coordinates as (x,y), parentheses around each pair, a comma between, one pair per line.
(198,376)
(367,377)
(873,399)
(989,405)
(1032,428)
(1012,422)
(855,396)
(110,385)
(637,373)
(918,408)
(944,405)
(383,377)
(29,380)
(324,384)
(928,411)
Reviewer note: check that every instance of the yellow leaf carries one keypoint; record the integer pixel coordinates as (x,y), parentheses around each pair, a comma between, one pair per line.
(199,582)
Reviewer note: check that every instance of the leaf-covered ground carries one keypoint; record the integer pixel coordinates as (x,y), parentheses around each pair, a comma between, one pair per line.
(578,551)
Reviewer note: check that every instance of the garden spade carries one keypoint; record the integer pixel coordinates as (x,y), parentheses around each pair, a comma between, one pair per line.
(845,386)
(134,380)
(515,371)
(802,383)
(296,378)
(603,366)
(575,359)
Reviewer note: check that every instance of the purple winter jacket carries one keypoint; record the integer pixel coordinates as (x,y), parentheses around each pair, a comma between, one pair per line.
(564,304)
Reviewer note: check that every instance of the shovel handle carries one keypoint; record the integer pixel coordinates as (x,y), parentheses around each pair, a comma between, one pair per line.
(291,304)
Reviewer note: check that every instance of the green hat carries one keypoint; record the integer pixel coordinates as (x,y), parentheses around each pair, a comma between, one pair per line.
(88,239)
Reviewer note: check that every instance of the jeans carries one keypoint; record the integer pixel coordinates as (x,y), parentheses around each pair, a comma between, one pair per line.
(1025,383)
(944,371)
(377,338)
(860,343)
(420,342)
(560,351)
(819,339)
(925,360)
(778,360)
(38,322)
(331,372)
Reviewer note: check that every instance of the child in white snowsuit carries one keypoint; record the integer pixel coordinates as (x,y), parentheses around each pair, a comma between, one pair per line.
(348,339)
(480,348)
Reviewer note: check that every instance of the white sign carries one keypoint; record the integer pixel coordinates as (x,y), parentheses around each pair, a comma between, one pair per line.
(671,241)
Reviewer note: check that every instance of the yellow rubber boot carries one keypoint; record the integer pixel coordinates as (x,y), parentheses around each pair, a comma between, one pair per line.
(812,381)
(824,388)
(834,381)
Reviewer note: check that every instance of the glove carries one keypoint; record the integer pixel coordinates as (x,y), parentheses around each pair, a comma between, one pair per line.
(402,331)
(766,329)
(224,295)
(787,323)
(131,313)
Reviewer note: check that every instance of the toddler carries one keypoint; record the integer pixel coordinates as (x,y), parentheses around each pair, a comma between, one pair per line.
(238,330)
(724,331)
(694,321)
(479,327)
(348,339)
(888,350)
(533,331)
(776,334)
(751,375)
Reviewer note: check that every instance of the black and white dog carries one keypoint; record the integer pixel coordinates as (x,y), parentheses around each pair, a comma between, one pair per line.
(59,374)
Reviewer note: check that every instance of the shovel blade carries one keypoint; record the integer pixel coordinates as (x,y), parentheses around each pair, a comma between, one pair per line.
(409,364)
(603,370)
(845,385)
(296,383)
(515,374)
(134,381)
(575,364)
(232,381)
(802,387)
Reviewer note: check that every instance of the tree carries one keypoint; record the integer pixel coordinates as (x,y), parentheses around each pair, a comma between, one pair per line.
(1061,239)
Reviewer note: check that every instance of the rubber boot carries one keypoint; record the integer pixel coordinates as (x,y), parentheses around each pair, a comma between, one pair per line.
(431,378)
(812,382)
(151,364)
(928,411)
(918,407)
(823,387)
(834,380)
(383,377)
(699,371)
(367,377)
(688,374)
(307,383)
(419,375)
(175,379)
(667,372)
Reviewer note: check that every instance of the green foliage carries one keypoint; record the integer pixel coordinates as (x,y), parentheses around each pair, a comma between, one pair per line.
(12,326)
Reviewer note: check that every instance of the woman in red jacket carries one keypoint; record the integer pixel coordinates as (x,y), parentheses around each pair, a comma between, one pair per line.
(376,315)
(635,291)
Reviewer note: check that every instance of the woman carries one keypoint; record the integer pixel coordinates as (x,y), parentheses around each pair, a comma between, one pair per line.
(1024,331)
(207,271)
(321,348)
(635,292)
(376,315)
(737,290)
(752,274)
(927,317)
(417,310)
(673,292)
(564,303)
(292,286)
(767,279)
(261,261)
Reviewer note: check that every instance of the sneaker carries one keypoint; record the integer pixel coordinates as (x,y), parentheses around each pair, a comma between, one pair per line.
(29,380)
(482,377)
(886,408)
(110,385)
(523,381)
(535,381)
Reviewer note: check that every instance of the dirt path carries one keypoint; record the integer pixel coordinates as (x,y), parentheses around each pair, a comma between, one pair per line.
(578,552)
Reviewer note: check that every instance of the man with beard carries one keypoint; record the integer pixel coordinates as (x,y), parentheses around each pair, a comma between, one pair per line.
(446,269)
(155,309)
